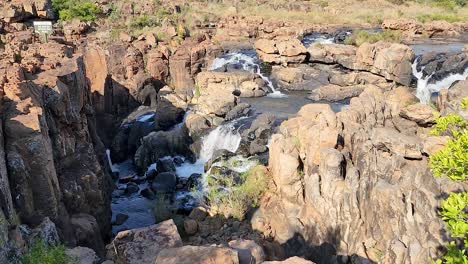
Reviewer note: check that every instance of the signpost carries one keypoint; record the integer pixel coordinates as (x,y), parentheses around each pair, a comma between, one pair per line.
(43,28)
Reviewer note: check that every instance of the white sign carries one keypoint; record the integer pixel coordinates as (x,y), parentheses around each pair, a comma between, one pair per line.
(43,27)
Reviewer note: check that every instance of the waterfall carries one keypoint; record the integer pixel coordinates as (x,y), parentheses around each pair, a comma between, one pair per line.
(223,137)
(109,160)
(248,63)
(424,89)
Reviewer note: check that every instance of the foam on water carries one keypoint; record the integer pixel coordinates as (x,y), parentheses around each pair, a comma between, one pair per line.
(223,137)
(248,63)
(424,89)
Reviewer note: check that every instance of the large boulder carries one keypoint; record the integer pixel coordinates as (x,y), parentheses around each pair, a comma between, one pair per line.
(281,52)
(248,251)
(335,93)
(197,254)
(143,245)
(390,60)
(291,260)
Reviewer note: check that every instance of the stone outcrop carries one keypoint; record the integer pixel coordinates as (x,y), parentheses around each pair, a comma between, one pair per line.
(20,10)
(197,254)
(354,184)
(240,83)
(281,52)
(335,93)
(412,27)
(188,60)
(390,60)
(144,245)
(54,158)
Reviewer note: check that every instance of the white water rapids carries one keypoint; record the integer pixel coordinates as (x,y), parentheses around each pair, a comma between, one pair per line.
(248,63)
(424,89)
(223,137)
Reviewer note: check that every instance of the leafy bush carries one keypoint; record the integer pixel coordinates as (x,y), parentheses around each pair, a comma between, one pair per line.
(44,254)
(361,36)
(452,160)
(453,255)
(464,103)
(234,197)
(144,21)
(454,215)
(83,10)
(445,124)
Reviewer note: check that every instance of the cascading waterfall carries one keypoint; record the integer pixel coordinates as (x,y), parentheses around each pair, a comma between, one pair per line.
(424,89)
(248,63)
(223,137)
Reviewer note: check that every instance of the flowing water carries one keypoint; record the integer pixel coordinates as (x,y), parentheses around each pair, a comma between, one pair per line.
(246,60)
(426,87)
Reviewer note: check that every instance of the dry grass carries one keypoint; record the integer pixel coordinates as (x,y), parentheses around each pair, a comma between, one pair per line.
(351,12)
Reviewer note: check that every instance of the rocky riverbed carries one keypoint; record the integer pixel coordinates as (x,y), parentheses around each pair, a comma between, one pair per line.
(241,141)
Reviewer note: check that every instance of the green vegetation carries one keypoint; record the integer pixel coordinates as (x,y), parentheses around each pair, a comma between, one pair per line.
(454,215)
(452,162)
(83,10)
(234,197)
(448,124)
(144,21)
(45,254)
(464,103)
(361,36)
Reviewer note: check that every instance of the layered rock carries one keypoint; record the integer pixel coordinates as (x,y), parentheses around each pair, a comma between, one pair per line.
(354,184)
(412,27)
(54,157)
(188,60)
(20,10)
(194,254)
(390,60)
(144,245)
(281,52)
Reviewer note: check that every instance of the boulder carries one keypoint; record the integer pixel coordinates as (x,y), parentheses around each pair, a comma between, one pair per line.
(198,213)
(248,251)
(164,182)
(143,245)
(291,260)
(85,228)
(190,226)
(391,140)
(422,114)
(390,60)
(281,52)
(82,255)
(197,254)
(335,93)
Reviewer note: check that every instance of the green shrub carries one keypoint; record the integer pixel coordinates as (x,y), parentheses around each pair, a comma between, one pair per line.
(44,254)
(361,36)
(452,160)
(453,255)
(234,197)
(144,21)
(83,10)
(454,214)
(445,124)
(464,103)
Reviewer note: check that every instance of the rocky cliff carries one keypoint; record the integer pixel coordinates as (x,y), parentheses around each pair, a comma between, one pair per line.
(356,185)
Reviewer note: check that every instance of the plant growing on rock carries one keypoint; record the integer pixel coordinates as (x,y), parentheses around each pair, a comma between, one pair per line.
(82,10)
(452,161)
(360,37)
(234,197)
(454,215)
(42,253)
(448,123)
